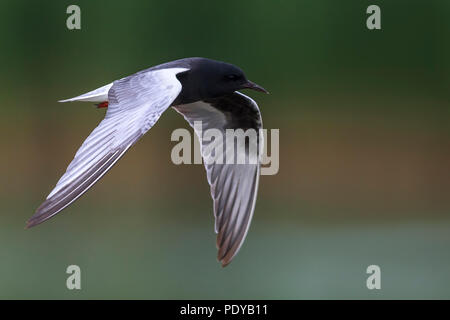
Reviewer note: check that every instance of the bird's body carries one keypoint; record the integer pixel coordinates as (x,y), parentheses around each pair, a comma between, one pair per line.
(201,90)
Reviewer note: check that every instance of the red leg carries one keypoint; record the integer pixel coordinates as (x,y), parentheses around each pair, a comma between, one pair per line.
(103,104)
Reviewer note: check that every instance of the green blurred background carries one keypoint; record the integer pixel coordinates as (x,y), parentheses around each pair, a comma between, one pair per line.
(364,176)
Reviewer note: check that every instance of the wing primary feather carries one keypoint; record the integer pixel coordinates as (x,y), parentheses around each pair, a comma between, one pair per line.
(72,192)
(241,233)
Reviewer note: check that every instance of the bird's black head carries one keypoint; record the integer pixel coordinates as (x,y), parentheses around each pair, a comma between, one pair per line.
(211,79)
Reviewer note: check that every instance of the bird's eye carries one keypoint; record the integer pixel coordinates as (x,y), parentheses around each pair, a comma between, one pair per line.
(232,77)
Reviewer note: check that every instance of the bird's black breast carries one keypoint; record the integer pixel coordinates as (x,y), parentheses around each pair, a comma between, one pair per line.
(239,110)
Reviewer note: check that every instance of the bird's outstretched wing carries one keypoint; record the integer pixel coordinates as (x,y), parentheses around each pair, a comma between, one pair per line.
(135,104)
(233,186)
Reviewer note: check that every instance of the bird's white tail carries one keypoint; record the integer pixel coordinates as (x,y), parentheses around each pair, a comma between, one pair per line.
(98,95)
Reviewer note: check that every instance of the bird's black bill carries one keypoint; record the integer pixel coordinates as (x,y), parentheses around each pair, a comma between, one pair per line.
(254,86)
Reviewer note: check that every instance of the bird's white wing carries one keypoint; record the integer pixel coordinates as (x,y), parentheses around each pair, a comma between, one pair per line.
(135,104)
(233,186)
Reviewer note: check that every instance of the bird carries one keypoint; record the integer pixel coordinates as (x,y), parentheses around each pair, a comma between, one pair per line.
(197,88)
